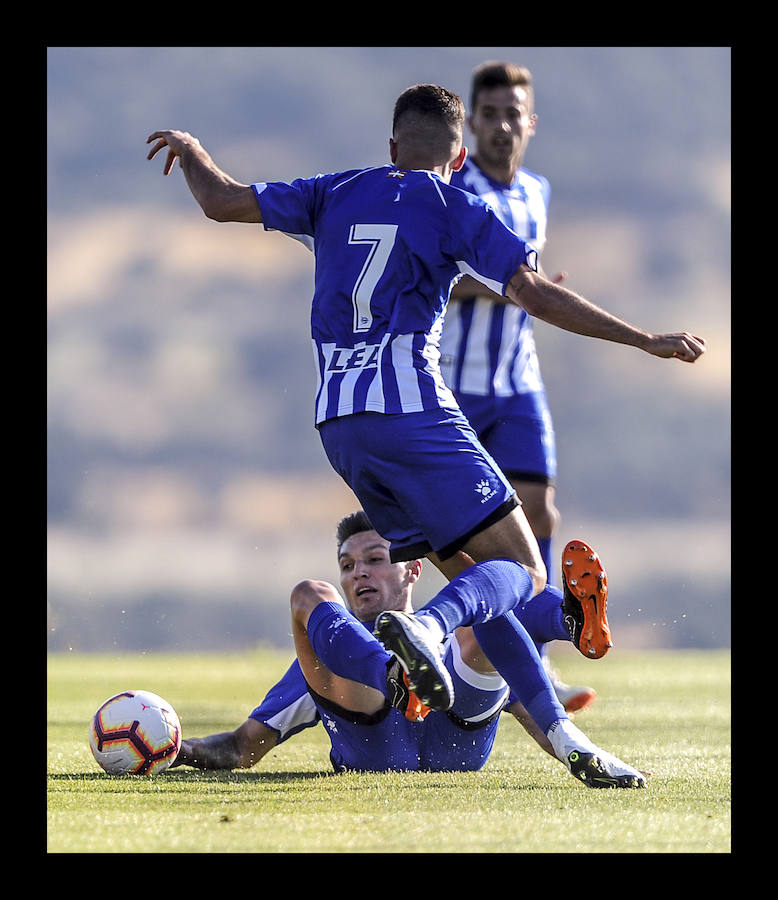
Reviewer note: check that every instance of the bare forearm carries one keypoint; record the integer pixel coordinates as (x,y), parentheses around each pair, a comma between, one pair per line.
(220,196)
(218,751)
(239,749)
(467,287)
(567,310)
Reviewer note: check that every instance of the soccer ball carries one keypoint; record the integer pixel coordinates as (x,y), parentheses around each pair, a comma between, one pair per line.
(135,733)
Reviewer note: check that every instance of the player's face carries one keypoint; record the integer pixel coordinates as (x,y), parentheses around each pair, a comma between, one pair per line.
(502,124)
(370,581)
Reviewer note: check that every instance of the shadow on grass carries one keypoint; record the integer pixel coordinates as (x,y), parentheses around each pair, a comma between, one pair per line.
(194,775)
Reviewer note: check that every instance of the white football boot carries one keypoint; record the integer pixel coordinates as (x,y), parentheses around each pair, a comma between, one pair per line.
(596,768)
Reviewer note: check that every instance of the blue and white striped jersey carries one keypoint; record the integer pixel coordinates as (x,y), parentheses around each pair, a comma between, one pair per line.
(288,706)
(458,740)
(389,243)
(488,348)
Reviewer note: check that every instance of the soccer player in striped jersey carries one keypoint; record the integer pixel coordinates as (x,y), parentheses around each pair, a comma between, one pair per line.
(344,678)
(389,242)
(488,356)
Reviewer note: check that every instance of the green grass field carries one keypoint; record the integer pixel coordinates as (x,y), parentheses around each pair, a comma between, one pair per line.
(667,713)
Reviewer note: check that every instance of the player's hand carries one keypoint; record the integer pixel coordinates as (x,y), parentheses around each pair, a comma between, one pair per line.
(176,142)
(183,756)
(684,346)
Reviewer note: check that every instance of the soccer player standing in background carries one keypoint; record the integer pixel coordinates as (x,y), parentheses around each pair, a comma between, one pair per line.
(487,348)
(389,242)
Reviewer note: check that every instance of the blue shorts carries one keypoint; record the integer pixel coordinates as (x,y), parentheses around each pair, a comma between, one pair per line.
(458,740)
(517,431)
(424,479)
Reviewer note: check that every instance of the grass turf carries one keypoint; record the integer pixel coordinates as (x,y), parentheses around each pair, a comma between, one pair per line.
(667,713)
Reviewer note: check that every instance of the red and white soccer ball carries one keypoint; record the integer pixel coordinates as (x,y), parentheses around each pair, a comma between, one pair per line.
(135,733)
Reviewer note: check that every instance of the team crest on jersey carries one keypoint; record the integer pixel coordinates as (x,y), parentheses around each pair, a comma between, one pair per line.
(396,173)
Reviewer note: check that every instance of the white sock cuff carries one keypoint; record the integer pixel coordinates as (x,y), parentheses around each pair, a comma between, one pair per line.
(565,737)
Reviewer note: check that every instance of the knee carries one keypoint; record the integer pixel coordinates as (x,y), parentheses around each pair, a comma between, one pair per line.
(306,595)
(538,575)
(471,653)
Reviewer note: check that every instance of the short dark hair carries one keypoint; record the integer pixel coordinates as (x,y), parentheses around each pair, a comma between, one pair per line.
(429,125)
(430,101)
(498,74)
(353,523)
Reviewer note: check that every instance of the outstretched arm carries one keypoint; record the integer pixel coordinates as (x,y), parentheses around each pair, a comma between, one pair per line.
(558,306)
(467,287)
(219,195)
(239,749)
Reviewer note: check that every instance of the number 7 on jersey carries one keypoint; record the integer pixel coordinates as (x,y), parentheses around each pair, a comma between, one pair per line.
(380,239)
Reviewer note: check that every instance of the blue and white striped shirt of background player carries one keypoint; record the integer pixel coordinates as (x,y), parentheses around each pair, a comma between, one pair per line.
(458,740)
(389,244)
(487,348)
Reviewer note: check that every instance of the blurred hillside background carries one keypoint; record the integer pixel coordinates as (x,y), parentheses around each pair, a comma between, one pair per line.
(187,489)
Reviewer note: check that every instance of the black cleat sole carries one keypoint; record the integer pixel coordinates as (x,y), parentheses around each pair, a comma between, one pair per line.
(588,768)
(428,677)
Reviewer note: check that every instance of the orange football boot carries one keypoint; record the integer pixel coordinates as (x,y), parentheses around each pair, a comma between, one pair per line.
(415,711)
(400,694)
(585,599)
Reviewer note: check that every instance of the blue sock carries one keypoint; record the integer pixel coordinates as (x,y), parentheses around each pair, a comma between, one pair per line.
(512,652)
(483,596)
(542,616)
(346,647)
(485,591)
